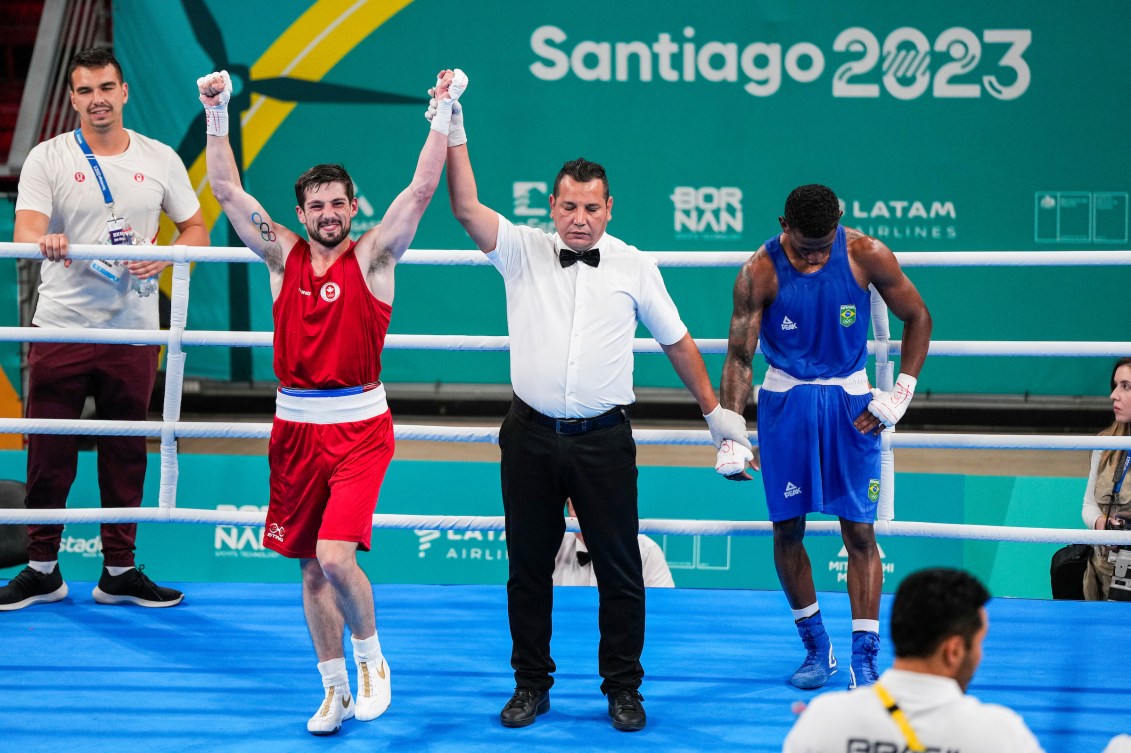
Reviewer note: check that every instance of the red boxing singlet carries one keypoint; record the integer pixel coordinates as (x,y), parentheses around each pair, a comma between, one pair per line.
(329,330)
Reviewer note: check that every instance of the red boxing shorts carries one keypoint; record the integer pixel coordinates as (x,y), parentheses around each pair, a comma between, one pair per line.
(325,479)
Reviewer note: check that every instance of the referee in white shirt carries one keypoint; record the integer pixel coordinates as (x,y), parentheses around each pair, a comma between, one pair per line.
(573,302)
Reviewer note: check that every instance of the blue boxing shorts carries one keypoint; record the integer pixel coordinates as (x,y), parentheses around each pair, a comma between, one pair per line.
(813,458)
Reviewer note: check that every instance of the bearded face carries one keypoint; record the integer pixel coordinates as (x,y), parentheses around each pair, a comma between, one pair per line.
(327,214)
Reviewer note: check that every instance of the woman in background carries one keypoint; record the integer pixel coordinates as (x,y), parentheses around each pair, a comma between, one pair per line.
(1107,500)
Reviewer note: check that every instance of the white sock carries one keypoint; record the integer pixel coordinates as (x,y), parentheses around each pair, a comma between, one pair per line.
(334,673)
(116,571)
(867,626)
(809,611)
(43,567)
(367,649)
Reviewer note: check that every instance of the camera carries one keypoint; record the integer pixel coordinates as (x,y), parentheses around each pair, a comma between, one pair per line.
(1120,558)
(1120,589)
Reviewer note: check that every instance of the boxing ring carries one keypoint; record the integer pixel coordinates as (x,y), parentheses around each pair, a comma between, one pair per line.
(220,671)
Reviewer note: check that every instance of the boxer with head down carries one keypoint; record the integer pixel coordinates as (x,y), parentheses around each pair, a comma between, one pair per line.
(805,294)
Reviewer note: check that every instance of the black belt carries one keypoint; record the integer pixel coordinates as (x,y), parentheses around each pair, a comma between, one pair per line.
(571,426)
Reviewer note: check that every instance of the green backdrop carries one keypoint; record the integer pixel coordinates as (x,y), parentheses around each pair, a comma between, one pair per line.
(961,126)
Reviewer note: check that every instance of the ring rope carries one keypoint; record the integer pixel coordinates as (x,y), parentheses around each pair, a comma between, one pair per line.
(490,435)
(444,257)
(656,526)
(707,346)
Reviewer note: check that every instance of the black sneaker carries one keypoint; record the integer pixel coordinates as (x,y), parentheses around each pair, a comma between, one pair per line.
(134,587)
(627,710)
(524,706)
(32,587)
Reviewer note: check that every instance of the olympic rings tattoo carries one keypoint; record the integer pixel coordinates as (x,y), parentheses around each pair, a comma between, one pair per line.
(265,230)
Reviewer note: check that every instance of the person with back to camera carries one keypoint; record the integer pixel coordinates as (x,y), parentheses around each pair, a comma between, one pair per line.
(1107,498)
(938,625)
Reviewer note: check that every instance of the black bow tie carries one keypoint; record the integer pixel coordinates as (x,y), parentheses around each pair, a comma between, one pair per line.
(568,257)
(582,558)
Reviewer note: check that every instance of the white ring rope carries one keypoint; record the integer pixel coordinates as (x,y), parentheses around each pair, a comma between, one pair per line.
(177,338)
(1062,258)
(647,525)
(490,435)
(707,346)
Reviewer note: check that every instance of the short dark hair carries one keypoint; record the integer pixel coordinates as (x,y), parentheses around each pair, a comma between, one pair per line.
(812,210)
(582,171)
(932,605)
(95,57)
(321,175)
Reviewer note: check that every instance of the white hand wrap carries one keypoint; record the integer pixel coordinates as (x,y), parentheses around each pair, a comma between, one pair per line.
(732,458)
(889,407)
(442,117)
(215,115)
(726,424)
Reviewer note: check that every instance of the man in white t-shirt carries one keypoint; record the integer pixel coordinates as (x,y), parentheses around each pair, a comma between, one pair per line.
(100,184)
(574,298)
(938,624)
(573,566)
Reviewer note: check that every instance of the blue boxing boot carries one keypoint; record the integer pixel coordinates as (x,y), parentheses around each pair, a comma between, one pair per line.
(865,648)
(819,664)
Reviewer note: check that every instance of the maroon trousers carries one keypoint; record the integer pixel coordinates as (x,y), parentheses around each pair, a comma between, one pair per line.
(60,376)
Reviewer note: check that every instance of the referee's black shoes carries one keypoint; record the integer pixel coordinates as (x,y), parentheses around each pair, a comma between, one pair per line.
(524,706)
(627,710)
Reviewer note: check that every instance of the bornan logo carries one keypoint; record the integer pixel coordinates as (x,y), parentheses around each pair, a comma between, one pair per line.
(275,531)
(707,213)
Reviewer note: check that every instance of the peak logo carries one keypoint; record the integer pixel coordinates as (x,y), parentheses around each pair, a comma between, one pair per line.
(241,541)
(707,213)
(488,546)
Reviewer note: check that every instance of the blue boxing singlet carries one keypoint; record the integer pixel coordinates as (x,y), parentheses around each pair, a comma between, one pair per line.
(817,326)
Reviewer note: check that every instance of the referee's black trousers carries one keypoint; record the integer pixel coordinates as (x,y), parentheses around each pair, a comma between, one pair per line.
(597,470)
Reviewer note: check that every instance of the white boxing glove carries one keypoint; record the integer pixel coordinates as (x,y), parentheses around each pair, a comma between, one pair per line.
(732,458)
(442,117)
(726,424)
(215,91)
(889,407)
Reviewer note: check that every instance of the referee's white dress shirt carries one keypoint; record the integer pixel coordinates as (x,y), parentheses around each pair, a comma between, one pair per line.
(571,329)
